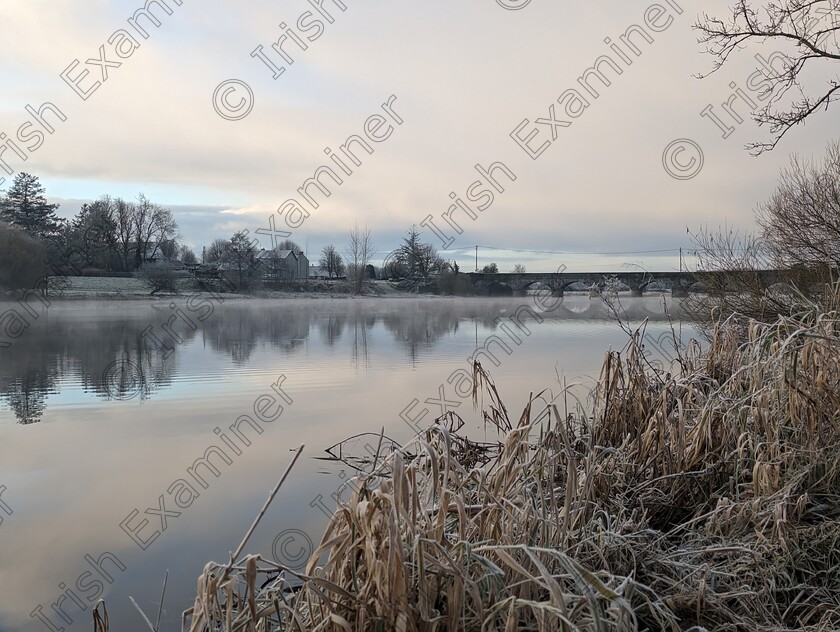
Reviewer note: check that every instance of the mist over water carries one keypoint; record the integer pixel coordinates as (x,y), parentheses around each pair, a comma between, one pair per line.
(109,441)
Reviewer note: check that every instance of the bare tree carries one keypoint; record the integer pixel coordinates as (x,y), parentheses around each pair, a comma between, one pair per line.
(807,31)
(392,266)
(728,271)
(158,276)
(124,232)
(799,238)
(288,244)
(217,250)
(153,225)
(186,255)
(331,261)
(169,248)
(519,269)
(359,254)
(241,253)
(801,221)
(429,262)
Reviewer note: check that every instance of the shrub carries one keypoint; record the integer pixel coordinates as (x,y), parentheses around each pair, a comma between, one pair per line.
(158,277)
(454,284)
(23,259)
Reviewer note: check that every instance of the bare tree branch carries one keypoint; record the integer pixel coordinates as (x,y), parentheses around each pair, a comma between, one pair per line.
(807,32)
(359,255)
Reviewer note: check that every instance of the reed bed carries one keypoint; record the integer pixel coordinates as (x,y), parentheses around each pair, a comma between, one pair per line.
(703,497)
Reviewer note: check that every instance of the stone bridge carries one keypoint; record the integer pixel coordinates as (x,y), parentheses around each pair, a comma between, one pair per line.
(679,283)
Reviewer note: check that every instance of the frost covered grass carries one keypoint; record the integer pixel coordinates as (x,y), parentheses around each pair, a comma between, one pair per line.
(83,287)
(704,497)
(104,287)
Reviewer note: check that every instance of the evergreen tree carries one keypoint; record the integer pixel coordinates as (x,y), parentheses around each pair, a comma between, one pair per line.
(26,207)
(418,260)
(409,253)
(92,234)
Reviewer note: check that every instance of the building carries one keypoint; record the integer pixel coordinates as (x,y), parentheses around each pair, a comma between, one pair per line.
(159,258)
(282,265)
(318,273)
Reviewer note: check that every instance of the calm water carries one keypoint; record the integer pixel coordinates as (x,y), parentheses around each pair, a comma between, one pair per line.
(97,423)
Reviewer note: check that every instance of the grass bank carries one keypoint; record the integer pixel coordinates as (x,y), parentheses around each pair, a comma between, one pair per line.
(72,288)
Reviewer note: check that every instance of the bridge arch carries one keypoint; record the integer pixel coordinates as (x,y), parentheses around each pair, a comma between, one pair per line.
(561,281)
(535,285)
(781,287)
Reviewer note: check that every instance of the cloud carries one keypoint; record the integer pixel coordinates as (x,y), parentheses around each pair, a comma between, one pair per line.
(465,76)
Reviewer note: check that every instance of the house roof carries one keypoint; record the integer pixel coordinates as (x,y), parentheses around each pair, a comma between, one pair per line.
(282,254)
(159,257)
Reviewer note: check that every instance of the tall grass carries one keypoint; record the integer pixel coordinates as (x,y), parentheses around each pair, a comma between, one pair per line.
(704,498)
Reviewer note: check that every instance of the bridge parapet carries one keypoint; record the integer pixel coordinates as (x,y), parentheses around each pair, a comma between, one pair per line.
(679,283)
(558,282)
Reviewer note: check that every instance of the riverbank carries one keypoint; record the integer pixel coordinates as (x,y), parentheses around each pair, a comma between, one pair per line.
(704,496)
(130,289)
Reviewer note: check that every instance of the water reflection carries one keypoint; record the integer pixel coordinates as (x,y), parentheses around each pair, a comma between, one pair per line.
(26,395)
(133,350)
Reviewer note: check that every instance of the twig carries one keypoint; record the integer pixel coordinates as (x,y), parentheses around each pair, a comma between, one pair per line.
(142,614)
(162,595)
(378,448)
(250,532)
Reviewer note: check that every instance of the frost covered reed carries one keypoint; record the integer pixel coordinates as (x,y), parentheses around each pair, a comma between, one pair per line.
(704,498)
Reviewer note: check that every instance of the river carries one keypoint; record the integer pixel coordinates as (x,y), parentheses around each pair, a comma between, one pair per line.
(103,429)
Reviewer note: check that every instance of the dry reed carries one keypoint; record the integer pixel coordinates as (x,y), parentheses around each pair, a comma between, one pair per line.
(706,498)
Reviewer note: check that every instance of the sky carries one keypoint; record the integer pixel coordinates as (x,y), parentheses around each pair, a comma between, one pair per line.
(194,119)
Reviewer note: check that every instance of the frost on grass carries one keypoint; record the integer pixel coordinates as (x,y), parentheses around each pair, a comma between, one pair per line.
(701,497)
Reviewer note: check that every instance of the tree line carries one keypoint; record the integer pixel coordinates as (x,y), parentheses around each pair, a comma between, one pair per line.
(110,234)
(116,236)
